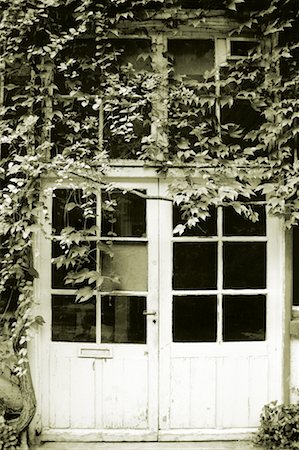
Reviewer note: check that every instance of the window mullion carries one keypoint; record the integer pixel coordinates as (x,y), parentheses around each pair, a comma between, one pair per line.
(220,59)
(99,269)
(47,81)
(159,106)
(220,276)
(2,81)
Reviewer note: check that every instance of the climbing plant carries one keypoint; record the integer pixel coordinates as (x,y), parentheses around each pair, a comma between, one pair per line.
(73,101)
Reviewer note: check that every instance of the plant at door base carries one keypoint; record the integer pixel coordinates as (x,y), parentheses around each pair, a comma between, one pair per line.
(279,427)
(51,125)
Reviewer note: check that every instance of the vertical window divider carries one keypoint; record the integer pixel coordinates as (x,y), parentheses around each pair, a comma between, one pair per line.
(47,81)
(2,81)
(98,268)
(220,59)
(159,108)
(220,276)
(101,125)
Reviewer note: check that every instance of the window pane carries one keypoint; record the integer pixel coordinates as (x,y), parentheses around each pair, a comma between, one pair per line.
(123,320)
(242,48)
(71,208)
(237,120)
(195,319)
(75,127)
(73,322)
(123,215)
(244,318)
(195,265)
(77,71)
(129,263)
(236,225)
(192,57)
(206,227)
(87,261)
(244,265)
(133,51)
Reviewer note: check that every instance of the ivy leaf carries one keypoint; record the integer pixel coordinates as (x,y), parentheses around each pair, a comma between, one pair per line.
(268,188)
(179,229)
(84,294)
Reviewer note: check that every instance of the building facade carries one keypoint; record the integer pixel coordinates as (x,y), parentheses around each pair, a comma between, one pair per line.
(199,329)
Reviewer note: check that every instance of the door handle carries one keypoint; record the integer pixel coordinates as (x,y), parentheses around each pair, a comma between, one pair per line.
(149,313)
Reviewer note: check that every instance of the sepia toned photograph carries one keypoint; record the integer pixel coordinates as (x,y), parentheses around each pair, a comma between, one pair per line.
(149,210)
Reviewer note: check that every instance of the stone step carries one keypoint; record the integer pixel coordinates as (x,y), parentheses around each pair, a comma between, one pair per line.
(215,445)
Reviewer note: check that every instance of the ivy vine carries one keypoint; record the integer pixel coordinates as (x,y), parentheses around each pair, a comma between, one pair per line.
(73,101)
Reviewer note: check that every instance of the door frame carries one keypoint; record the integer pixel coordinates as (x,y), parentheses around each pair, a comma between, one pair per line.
(278,384)
(125,178)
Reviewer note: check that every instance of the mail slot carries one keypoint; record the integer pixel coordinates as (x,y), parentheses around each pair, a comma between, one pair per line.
(100,353)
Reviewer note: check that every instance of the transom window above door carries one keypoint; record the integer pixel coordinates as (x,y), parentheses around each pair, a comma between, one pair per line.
(108,266)
(219,279)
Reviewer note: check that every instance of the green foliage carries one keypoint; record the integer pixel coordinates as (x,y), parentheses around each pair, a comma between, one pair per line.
(279,427)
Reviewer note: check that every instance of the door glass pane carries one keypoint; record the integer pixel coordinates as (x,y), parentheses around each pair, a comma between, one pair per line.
(244,318)
(194,265)
(195,318)
(192,57)
(129,264)
(73,322)
(123,320)
(123,215)
(206,227)
(87,250)
(71,208)
(236,225)
(244,265)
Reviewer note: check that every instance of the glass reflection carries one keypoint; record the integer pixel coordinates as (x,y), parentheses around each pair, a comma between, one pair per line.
(244,265)
(194,265)
(192,57)
(236,225)
(123,215)
(123,320)
(71,208)
(73,322)
(206,227)
(87,261)
(195,319)
(129,264)
(244,318)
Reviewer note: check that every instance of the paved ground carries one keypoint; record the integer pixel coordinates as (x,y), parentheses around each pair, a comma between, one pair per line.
(228,445)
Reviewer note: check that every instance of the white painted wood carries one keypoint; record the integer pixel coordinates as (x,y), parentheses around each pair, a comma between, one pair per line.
(258,387)
(206,390)
(234,388)
(116,397)
(82,392)
(219,386)
(59,394)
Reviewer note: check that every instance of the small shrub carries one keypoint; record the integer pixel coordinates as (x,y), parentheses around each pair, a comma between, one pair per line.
(279,427)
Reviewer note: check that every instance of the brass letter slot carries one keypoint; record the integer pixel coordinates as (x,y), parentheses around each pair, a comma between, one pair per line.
(100,353)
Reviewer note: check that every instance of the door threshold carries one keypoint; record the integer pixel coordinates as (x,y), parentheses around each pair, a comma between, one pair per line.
(215,445)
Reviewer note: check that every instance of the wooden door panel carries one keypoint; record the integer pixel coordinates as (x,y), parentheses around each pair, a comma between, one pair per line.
(193,393)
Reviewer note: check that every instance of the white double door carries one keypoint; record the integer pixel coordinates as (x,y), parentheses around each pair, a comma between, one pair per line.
(171,374)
